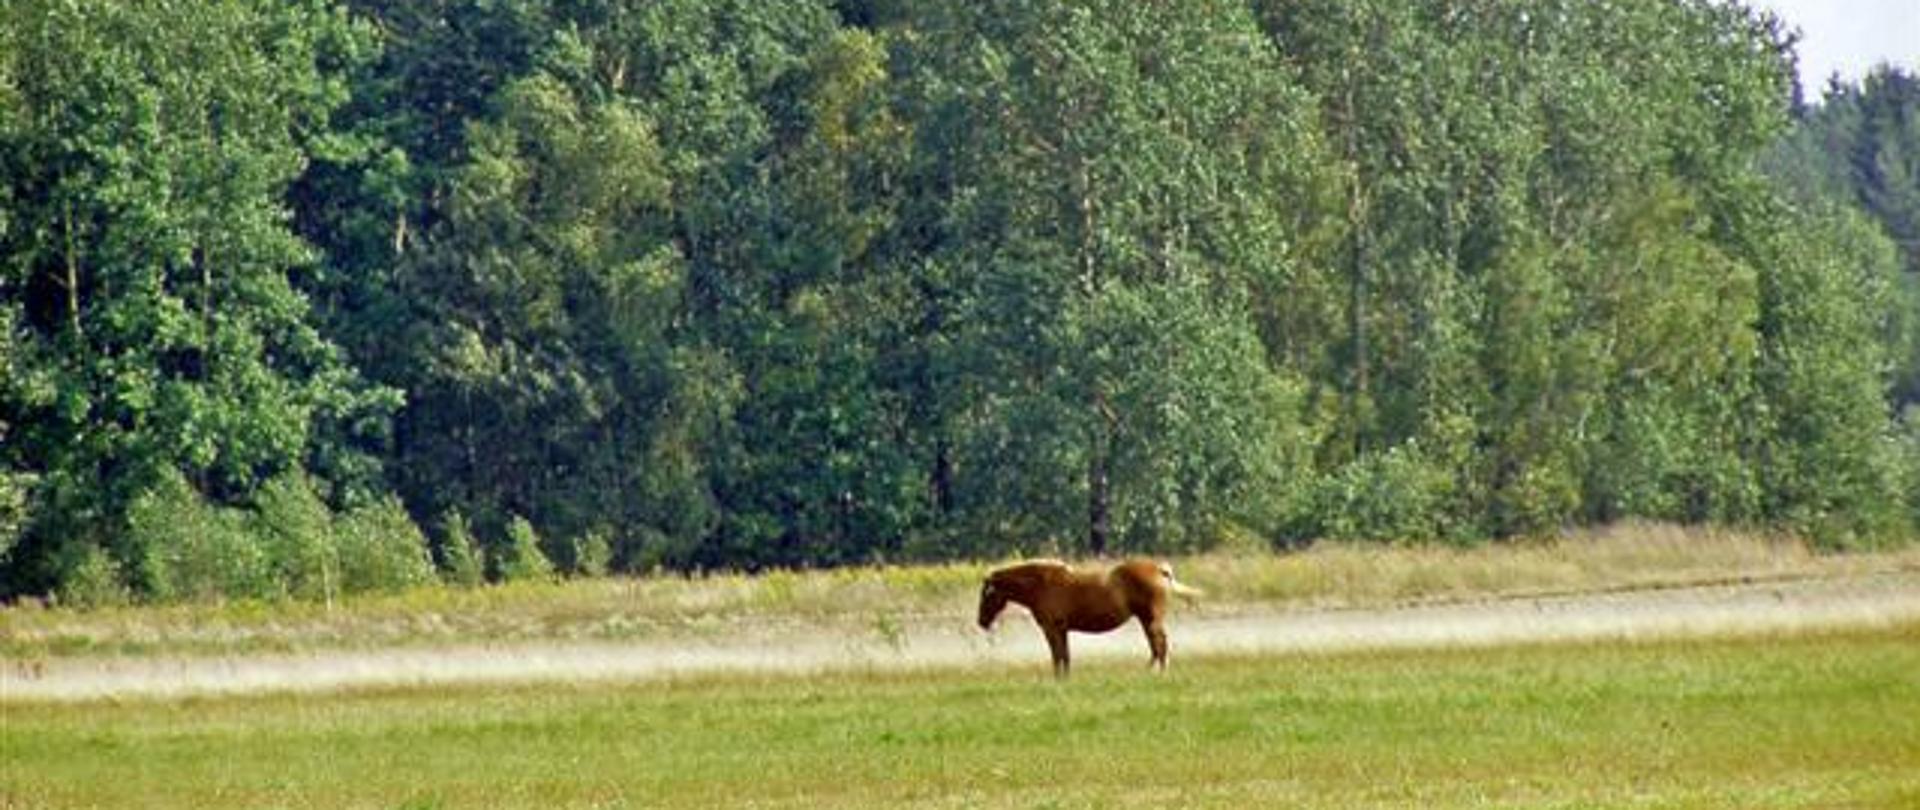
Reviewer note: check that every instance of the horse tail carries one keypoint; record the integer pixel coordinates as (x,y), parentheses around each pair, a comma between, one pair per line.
(1190,594)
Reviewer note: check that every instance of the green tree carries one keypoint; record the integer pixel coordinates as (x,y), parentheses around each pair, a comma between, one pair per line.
(1861,146)
(1124,178)
(579,257)
(1830,459)
(1534,209)
(155,324)
(16,484)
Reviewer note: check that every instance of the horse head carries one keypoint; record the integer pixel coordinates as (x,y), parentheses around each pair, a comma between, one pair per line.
(993,599)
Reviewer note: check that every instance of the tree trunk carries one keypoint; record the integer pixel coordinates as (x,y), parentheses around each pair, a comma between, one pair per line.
(1357,278)
(1357,328)
(1099,491)
(1099,494)
(941,480)
(1089,272)
(73,282)
(205,263)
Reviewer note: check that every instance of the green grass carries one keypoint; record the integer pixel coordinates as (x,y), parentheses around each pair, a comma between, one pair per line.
(666,606)
(1824,721)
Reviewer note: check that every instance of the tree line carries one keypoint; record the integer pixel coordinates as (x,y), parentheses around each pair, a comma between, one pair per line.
(314,296)
(1859,148)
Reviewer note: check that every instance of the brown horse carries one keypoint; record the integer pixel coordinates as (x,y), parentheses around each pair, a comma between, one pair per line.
(1063,599)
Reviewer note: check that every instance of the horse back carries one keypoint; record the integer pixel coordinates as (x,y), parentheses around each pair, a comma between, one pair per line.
(1139,584)
(1143,579)
(1090,601)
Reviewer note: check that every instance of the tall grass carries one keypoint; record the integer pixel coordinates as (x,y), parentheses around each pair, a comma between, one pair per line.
(664,605)
(1626,556)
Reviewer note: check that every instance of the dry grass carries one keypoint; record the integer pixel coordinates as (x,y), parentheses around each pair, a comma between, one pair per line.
(595,609)
(1626,557)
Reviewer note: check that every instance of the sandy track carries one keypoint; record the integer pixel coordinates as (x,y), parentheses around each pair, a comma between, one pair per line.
(1783,607)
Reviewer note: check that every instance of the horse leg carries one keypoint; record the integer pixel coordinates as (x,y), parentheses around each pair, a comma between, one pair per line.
(1057,641)
(1156,641)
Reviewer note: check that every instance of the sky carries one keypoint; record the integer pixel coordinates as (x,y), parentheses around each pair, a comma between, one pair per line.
(1850,36)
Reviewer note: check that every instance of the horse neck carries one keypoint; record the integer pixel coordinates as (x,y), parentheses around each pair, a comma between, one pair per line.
(1023,584)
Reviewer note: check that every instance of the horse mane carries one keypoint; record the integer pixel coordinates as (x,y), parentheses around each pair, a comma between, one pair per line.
(1023,577)
(1031,565)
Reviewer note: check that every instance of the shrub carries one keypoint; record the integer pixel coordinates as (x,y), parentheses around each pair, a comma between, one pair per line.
(16,506)
(1393,495)
(1909,449)
(591,553)
(297,530)
(184,548)
(381,549)
(92,579)
(459,559)
(522,558)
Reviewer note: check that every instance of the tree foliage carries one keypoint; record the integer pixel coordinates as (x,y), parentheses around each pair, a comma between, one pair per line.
(1860,147)
(702,283)
(159,344)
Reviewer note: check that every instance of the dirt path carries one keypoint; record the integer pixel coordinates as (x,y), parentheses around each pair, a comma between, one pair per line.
(1784,607)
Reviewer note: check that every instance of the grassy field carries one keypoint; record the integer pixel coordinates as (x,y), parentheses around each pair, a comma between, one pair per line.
(665,606)
(1826,721)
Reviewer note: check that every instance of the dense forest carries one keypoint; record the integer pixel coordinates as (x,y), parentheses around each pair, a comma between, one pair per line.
(300,297)
(1861,148)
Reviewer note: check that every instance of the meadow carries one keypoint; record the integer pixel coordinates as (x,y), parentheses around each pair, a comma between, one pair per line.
(881,599)
(1810,721)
